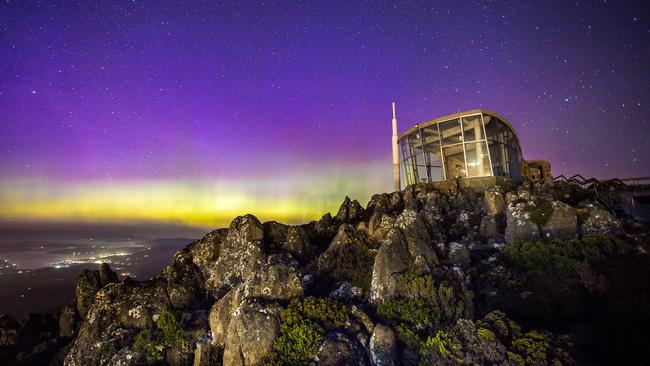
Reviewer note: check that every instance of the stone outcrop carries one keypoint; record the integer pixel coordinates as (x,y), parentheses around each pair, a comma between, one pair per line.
(392,259)
(418,260)
(383,346)
(251,332)
(599,221)
(562,224)
(339,349)
(519,226)
(240,255)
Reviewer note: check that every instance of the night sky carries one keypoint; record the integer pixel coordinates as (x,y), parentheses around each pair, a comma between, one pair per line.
(196,112)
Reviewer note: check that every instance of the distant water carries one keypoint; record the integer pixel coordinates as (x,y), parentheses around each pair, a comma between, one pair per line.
(39,263)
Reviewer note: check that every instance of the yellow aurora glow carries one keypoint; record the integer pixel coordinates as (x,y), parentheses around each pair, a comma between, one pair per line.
(298,198)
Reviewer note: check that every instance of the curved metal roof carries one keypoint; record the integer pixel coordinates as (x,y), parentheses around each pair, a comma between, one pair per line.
(454,116)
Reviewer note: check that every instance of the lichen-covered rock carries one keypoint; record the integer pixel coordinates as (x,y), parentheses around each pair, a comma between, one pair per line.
(363,318)
(391,259)
(113,319)
(205,252)
(251,332)
(350,210)
(185,285)
(68,321)
(273,282)
(345,292)
(88,283)
(220,315)
(494,202)
(599,221)
(241,254)
(562,224)
(339,350)
(417,237)
(383,346)
(126,357)
(205,354)
(519,227)
(458,255)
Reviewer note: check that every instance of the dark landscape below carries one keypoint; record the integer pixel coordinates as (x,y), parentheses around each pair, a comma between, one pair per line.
(40,263)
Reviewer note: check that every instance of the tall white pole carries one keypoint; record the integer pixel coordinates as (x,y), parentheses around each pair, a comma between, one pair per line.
(396,178)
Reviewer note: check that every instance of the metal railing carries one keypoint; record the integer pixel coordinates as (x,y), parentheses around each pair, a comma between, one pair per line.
(618,195)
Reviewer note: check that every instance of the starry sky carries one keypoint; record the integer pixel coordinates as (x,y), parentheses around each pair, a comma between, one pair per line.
(197,111)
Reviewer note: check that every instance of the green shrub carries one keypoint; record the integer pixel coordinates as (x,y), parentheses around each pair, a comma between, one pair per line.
(168,333)
(485,335)
(533,347)
(440,346)
(302,327)
(350,262)
(422,307)
(149,345)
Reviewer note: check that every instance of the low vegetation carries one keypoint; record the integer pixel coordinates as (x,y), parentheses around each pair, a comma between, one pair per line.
(303,325)
(152,343)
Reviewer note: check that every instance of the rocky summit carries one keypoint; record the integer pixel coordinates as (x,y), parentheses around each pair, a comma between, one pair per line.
(537,274)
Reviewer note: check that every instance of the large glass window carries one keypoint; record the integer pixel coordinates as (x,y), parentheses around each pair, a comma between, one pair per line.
(417,148)
(473,128)
(432,152)
(407,161)
(454,159)
(450,132)
(478,160)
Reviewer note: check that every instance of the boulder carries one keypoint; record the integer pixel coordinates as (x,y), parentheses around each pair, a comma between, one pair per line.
(392,259)
(273,282)
(519,227)
(494,202)
(241,254)
(489,227)
(350,210)
(251,333)
(220,315)
(363,318)
(345,292)
(599,221)
(383,346)
(88,283)
(298,243)
(205,354)
(339,350)
(205,252)
(119,311)
(416,235)
(563,223)
(458,255)
(185,285)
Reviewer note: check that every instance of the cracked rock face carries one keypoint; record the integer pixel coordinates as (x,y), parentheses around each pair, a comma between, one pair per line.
(185,284)
(240,255)
(339,349)
(392,259)
(383,346)
(251,332)
(519,227)
(563,223)
(274,282)
(599,221)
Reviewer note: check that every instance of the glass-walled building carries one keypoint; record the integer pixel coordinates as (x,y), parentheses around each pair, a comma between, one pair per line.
(470,144)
